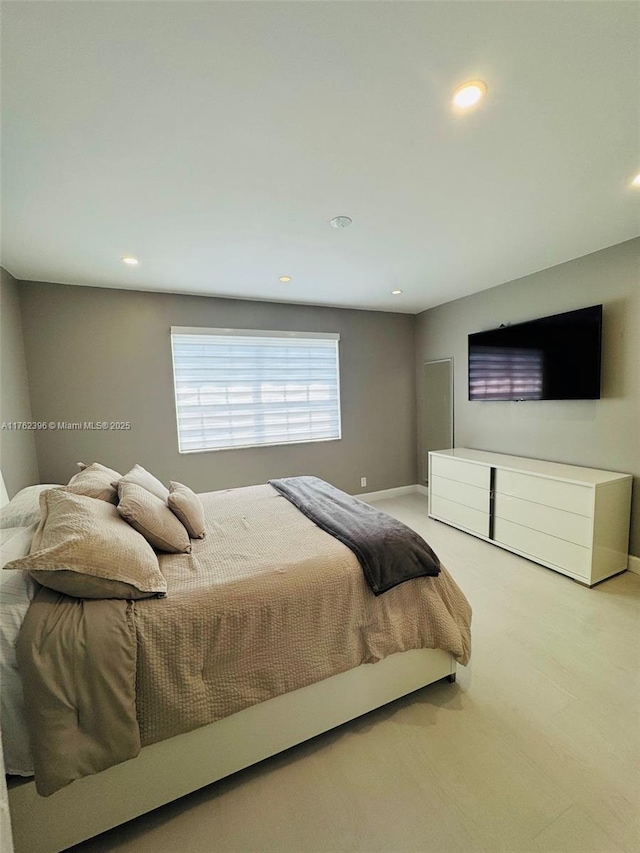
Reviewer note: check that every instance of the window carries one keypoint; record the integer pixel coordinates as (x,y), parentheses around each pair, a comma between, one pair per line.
(238,388)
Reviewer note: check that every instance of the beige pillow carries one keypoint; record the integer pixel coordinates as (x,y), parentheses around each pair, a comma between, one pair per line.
(150,516)
(83,548)
(95,481)
(186,505)
(141,477)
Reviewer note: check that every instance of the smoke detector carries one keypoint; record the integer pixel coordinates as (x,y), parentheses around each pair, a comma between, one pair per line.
(341,221)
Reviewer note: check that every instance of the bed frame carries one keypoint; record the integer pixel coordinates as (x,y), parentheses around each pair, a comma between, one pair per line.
(172,768)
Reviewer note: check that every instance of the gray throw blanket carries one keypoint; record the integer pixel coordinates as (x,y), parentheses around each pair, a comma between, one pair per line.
(389,552)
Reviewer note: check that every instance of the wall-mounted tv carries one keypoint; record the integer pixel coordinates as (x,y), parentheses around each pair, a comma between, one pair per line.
(553,358)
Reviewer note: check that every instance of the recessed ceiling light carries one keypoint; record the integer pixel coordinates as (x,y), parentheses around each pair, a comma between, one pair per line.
(396,292)
(469,94)
(341,221)
(131,261)
(285,278)
(636,181)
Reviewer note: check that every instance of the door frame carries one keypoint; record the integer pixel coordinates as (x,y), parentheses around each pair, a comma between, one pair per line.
(452,388)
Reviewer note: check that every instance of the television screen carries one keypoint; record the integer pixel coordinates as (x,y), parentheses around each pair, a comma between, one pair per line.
(553,358)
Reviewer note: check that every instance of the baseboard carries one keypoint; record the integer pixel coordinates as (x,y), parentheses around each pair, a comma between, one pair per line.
(397,492)
(634,564)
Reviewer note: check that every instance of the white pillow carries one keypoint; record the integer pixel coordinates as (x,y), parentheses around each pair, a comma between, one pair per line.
(24,508)
(14,539)
(16,591)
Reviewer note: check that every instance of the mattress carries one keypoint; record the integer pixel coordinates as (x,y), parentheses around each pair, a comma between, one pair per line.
(265,604)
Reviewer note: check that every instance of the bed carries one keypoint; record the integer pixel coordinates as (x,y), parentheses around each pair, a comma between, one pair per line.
(252,709)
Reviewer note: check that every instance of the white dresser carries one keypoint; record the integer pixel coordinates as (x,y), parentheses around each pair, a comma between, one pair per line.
(574,520)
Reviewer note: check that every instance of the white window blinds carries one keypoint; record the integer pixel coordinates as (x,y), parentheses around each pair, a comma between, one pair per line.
(238,388)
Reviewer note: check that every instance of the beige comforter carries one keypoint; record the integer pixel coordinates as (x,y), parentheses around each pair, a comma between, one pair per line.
(265,604)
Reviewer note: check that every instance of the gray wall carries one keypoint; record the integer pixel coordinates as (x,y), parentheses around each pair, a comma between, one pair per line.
(17,448)
(597,433)
(95,354)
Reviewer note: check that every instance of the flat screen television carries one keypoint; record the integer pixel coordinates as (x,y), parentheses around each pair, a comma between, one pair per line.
(553,358)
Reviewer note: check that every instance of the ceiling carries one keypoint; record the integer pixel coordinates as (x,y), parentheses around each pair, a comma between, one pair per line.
(214,141)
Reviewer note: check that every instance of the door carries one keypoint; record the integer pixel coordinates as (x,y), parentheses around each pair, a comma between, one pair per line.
(436,421)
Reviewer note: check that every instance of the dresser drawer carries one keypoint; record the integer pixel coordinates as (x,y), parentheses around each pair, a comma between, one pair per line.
(555,493)
(565,555)
(556,522)
(462,472)
(462,516)
(461,493)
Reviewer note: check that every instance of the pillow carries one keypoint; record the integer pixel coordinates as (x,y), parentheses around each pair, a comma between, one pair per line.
(150,516)
(16,539)
(83,548)
(95,481)
(186,505)
(16,591)
(24,508)
(142,477)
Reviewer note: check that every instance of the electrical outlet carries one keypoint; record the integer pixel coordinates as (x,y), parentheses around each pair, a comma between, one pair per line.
(363,482)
